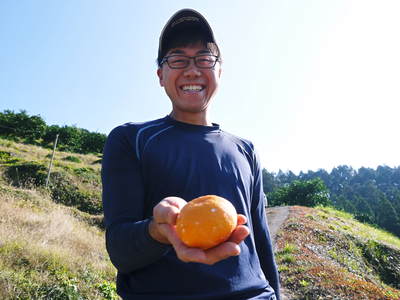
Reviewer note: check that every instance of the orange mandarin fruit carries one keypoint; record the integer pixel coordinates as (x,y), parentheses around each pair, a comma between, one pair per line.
(206,221)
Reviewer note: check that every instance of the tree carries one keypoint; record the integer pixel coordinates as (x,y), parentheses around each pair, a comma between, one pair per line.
(307,193)
(387,216)
(269,182)
(21,125)
(92,142)
(372,196)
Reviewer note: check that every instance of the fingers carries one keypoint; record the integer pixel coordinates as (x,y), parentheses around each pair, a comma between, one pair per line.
(209,256)
(183,252)
(165,214)
(241,219)
(168,209)
(239,234)
(221,252)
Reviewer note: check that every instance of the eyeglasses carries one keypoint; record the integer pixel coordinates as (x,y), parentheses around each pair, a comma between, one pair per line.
(207,61)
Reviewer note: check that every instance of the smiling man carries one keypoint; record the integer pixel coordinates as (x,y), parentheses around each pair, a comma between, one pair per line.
(151,169)
(190,86)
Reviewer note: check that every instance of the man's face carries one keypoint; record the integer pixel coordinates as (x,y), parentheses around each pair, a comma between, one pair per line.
(190,89)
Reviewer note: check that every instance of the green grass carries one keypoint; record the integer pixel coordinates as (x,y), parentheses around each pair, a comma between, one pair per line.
(323,253)
(365,231)
(48,253)
(51,250)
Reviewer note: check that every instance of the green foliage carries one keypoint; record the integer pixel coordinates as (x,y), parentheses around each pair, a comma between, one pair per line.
(7,158)
(92,142)
(87,175)
(4,156)
(289,248)
(74,139)
(21,125)
(285,256)
(33,130)
(26,174)
(359,262)
(384,260)
(372,196)
(64,191)
(108,290)
(72,159)
(48,251)
(307,193)
(27,274)
(62,187)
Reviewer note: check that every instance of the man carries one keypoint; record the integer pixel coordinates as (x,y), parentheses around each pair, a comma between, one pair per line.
(151,169)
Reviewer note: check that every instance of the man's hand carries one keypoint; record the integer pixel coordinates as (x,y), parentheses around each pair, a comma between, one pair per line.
(162,229)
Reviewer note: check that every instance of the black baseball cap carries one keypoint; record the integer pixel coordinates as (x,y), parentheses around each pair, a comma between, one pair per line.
(184,20)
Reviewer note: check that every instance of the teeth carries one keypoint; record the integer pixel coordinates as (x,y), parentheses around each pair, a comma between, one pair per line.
(192,88)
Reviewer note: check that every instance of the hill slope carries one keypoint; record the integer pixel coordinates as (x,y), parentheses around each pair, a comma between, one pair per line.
(52,239)
(323,253)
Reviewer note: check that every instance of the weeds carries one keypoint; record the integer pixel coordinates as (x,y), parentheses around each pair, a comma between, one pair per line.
(320,255)
(72,159)
(47,253)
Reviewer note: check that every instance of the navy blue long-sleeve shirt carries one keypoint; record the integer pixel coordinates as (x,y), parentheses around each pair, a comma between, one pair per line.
(146,162)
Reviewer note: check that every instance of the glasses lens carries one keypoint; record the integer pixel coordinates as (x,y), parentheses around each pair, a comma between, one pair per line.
(181,61)
(178,61)
(205,61)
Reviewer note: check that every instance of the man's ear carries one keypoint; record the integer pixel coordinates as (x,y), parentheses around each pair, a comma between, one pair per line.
(160,76)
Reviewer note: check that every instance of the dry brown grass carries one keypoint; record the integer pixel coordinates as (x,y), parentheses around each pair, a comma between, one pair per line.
(40,154)
(47,253)
(40,224)
(49,250)
(319,261)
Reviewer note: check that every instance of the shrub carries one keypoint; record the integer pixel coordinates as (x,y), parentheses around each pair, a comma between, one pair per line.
(307,193)
(65,192)
(87,175)
(384,260)
(26,174)
(62,189)
(72,159)
(28,128)
(4,156)
(7,157)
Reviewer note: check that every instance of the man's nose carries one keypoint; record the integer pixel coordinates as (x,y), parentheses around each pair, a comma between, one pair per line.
(192,70)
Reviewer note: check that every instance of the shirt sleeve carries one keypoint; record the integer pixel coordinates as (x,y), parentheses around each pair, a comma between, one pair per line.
(128,241)
(261,230)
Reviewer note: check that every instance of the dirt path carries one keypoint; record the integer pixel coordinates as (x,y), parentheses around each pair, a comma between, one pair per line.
(276,216)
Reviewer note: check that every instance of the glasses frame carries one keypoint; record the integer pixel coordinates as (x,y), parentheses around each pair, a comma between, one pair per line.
(165,59)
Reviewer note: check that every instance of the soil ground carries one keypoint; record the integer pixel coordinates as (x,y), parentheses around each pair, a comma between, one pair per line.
(276,216)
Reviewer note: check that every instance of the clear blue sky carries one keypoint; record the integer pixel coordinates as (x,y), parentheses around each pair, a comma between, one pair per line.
(313,83)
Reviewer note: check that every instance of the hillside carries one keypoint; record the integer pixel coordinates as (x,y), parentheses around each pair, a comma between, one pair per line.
(52,239)
(323,253)
(371,195)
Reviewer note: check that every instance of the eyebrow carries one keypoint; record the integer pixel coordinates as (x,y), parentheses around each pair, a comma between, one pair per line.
(178,51)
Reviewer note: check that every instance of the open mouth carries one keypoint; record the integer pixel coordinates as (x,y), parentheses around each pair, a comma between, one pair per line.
(192,88)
